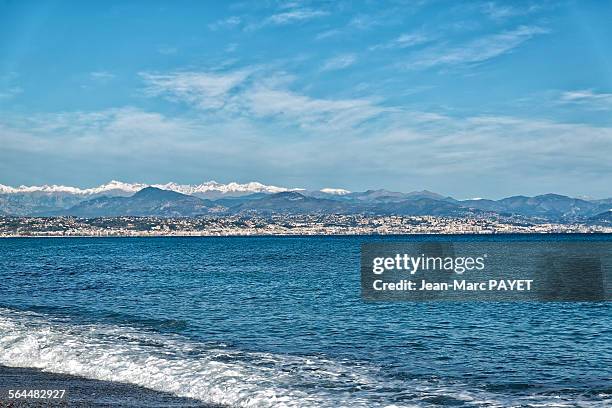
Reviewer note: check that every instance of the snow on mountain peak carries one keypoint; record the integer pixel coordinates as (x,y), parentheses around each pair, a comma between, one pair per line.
(55,188)
(114,185)
(335,191)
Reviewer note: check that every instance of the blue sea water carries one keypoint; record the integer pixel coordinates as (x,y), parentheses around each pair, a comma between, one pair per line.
(279,321)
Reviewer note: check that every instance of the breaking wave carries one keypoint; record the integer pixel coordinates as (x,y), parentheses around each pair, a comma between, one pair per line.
(215,373)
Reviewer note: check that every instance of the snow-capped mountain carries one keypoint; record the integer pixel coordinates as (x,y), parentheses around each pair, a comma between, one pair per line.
(209,189)
(212,197)
(212,189)
(119,186)
(335,191)
(35,200)
(112,186)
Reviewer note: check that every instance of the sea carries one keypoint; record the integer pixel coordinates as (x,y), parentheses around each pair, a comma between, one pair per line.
(280,321)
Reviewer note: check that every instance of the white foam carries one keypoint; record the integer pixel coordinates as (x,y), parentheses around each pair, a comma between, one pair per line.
(217,374)
(167,363)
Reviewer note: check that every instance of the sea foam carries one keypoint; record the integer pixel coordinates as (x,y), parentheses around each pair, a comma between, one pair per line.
(218,374)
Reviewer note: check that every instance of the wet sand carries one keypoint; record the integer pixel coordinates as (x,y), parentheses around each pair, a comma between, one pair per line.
(83,392)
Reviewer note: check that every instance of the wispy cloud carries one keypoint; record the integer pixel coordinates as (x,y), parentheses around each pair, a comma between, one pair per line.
(291,16)
(252,116)
(250,93)
(498,150)
(339,62)
(364,22)
(498,12)
(131,143)
(403,41)
(357,23)
(101,76)
(308,112)
(588,98)
(206,90)
(10,92)
(337,130)
(113,131)
(328,34)
(8,85)
(476,51)
(377,18)
(225,23)
(295,15)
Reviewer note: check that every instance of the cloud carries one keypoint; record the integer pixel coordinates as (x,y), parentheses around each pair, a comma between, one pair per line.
(297,15)
(377,17)
(258,121)
(364,22)
(328,34)
(593,100)
(359,22)
(116,131)
(101,76)
(476,51)
(560,157)
(129,143)
(499,12)
(483,153)
(254,93)
(8,87)
(206,90)
(10,93)
(307,112)
(403,41)
(339,62)
(226,23)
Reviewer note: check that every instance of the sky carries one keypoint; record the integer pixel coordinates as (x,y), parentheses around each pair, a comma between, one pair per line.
(469,99)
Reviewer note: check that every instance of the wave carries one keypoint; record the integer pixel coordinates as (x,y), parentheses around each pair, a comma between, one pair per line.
(219,374)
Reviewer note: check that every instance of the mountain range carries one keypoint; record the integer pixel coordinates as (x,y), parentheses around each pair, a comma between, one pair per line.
(211,198)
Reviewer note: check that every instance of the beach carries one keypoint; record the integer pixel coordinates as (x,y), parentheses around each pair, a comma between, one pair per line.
(83,392)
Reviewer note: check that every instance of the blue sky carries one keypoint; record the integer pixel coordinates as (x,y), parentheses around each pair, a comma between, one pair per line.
(469,99)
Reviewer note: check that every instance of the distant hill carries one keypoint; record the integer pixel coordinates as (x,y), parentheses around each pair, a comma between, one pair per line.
(604,218)
(424,206)
(36,202)
(551,206)
(292,202)
(169,200)
(149,201)
(234,201)
(297,203)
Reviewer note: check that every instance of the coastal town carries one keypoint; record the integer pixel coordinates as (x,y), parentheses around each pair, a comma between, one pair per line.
(279,225)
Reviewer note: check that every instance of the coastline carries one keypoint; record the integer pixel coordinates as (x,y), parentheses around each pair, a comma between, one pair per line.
(282,225)
(298,235)
(84,392)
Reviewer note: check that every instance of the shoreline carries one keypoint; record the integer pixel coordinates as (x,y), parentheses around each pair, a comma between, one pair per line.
(450,234)
(84,392)
(285,225)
